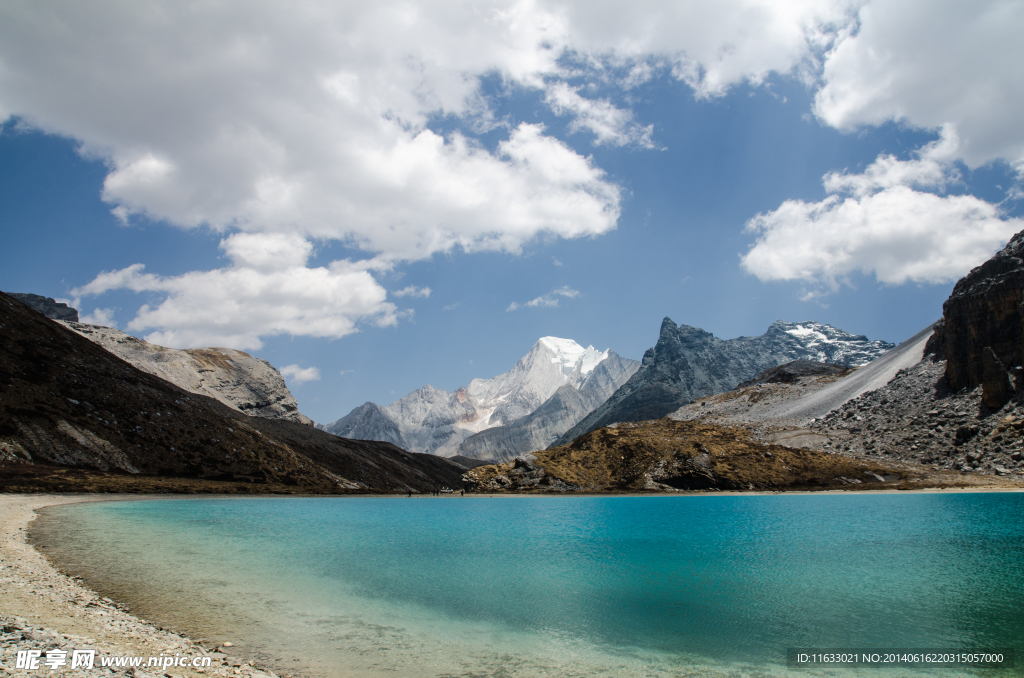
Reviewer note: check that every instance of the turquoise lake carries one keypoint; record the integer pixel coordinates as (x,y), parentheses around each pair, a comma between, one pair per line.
(560,586)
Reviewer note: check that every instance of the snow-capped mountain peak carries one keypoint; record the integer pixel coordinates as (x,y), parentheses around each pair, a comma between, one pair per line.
(805,332)
(824,343)
(570,354)
(434,420)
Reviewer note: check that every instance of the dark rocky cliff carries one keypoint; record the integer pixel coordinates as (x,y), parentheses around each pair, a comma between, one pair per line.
(984,311)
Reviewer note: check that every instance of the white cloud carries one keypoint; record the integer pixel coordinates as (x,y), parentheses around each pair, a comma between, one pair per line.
(710,46)
(307,121)
(412,291)
(310,118)
(274,112)
(877,224)
(236,305)
(549,300)
(932,64)
(300,375)
(611,125)
(267,251)
(99,316)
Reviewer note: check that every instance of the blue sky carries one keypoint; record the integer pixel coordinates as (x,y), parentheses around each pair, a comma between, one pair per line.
(386,197)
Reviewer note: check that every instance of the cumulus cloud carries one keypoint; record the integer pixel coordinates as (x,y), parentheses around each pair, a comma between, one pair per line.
(312,118)
(301,116)
(255,296)
(932,64)
(549,300)
(710,46)
(300,375)
(877,223)
(309,121)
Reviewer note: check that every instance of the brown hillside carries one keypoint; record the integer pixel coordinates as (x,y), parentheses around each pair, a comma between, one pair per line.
(678,455)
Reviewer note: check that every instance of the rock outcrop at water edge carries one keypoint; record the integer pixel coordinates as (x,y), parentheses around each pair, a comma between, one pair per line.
(669,455)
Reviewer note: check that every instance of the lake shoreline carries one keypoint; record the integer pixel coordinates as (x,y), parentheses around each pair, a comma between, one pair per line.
(50,609)
(45,609)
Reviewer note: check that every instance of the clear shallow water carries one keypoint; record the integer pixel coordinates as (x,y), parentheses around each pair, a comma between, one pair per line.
(559,586)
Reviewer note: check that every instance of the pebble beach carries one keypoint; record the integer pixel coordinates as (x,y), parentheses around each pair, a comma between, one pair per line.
(43,609)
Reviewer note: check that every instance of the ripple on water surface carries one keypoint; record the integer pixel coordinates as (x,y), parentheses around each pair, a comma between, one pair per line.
(558,586)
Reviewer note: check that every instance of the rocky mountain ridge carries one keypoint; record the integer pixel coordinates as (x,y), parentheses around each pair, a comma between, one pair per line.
(235,378)
(67,404)
(917,417)
(791,372)
(688,362)
(567,406)
(47,306)
(435,421)
(962,407)
(956,403)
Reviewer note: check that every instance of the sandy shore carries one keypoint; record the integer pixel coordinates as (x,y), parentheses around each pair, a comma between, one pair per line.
(42,609)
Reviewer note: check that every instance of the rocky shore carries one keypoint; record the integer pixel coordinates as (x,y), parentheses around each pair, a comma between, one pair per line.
(43,609)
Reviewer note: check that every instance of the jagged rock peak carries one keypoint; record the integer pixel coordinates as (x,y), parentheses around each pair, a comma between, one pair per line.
(688,362)
(367,422)
(555,416)
(828,344)
(47,306)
